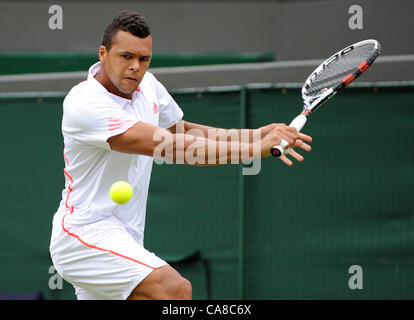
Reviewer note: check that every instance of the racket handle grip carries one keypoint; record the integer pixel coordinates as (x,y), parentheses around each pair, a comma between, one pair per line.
(298,123)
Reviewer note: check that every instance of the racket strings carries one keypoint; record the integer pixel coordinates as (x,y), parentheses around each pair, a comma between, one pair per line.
(336,71)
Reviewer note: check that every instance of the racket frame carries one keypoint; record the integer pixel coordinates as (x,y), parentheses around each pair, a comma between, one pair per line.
(310,104)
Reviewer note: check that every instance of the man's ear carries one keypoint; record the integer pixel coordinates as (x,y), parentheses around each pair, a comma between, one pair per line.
(102,53)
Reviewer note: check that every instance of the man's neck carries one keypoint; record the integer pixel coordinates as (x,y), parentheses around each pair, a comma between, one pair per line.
(104,80)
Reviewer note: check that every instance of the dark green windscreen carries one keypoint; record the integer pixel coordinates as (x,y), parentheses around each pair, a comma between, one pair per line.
(286,233)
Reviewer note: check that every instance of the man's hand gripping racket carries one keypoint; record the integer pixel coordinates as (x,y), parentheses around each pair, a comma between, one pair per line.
(334,74)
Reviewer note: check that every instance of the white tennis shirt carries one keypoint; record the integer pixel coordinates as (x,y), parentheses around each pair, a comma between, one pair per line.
(91,115)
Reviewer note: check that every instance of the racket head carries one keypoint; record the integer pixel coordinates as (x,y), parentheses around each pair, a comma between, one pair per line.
(336,72)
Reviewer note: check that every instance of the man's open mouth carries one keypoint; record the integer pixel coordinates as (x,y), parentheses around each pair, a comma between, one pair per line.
(131,78)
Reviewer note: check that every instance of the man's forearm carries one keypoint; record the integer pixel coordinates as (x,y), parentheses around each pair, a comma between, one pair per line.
(197,150)
(220,134)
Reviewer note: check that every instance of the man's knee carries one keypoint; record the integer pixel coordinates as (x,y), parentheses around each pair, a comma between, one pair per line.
(186,290)
(164,283)
(175,287)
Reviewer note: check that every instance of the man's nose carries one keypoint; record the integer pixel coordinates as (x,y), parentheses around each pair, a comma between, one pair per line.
(134,65)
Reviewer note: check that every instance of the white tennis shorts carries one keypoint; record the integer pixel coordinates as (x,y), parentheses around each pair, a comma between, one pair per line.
(101,260)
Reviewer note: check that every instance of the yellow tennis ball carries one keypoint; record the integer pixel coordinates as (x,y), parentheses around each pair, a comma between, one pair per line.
(121,192)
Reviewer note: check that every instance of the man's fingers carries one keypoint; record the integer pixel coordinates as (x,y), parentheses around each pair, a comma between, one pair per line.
(288,134)
(296,155)
(305,137)
(303,145)
(286,160)
(293,154)
(292,137)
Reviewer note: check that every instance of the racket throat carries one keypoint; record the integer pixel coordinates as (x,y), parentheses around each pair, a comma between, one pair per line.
(306,112)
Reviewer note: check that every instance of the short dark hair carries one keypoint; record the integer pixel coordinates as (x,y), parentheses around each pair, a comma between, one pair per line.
(130,21)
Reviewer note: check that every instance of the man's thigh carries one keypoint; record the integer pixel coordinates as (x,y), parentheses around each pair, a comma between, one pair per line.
(102,260)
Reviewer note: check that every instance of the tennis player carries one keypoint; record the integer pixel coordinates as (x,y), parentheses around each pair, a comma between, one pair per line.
(109,124)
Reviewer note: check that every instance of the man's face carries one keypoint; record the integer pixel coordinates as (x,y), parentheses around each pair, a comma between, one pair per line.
(127,61)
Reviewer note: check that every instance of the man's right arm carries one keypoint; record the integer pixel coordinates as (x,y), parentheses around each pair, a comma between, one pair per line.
(153,141)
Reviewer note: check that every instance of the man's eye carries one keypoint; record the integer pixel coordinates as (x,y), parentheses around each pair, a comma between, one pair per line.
(126,56)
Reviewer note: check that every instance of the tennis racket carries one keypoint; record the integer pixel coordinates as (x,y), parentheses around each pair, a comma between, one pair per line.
(334,74)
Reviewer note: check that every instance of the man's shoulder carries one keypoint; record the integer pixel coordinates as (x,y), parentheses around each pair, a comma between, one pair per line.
(151,84)
(149,80)
(83,94)
(149,77)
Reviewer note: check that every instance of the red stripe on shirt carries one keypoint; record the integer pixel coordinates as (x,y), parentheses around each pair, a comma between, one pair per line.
(76,236)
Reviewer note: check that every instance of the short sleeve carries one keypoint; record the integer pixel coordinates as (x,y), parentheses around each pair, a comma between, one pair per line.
(94,123)
(170,112)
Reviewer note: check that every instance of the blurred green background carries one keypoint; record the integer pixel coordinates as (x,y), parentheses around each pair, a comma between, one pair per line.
(286,233)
